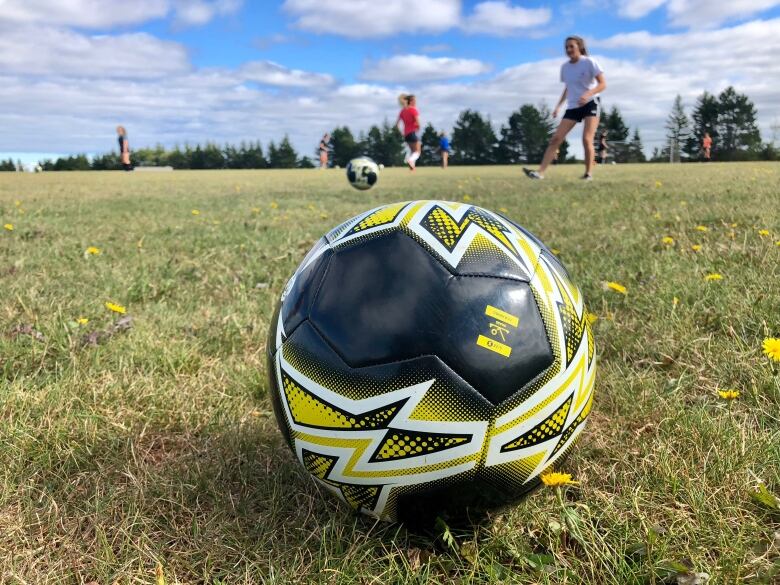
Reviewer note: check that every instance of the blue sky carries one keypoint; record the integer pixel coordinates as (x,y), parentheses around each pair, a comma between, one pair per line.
(176,71)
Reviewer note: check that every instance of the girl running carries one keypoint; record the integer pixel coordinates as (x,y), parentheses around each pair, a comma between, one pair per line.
(584,81)
(124,148)
(410,118)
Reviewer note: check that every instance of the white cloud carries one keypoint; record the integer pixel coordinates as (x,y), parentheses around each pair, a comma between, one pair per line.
(199,12)
(367,18)
(697,13)
(638,8)
(40,50)
(500,18)
(436,48)
(270,73)
(105,14)
(416,68)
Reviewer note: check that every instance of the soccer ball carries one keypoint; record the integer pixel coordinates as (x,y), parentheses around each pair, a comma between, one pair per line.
(428,358)
(362,173)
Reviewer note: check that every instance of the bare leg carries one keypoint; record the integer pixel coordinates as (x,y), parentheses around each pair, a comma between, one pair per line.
(555,142)
(588,134)
(444,158)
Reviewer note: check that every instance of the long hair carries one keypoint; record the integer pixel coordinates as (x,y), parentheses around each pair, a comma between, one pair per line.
(121,131)
(405,99)
(580,43)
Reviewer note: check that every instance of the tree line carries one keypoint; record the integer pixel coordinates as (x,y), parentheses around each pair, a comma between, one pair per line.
(729,118)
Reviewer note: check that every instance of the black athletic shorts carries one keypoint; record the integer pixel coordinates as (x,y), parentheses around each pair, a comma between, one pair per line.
(592,108)
(411,138)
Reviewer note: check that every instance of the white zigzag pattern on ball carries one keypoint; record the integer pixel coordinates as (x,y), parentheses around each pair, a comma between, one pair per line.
(458,211)
(401,421)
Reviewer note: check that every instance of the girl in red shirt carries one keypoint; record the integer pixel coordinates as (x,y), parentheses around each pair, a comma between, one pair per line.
(410,118)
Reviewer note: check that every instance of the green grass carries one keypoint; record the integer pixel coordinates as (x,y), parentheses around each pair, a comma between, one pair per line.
(158,445)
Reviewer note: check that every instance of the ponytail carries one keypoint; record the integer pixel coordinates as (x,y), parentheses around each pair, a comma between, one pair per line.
(405,99)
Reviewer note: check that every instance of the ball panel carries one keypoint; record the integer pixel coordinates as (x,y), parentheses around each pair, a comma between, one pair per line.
(302,290)
(407,305)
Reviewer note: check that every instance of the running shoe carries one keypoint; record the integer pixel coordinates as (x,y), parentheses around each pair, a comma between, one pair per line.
(532,174)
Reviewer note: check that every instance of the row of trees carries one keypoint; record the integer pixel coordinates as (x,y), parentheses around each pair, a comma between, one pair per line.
(730,119)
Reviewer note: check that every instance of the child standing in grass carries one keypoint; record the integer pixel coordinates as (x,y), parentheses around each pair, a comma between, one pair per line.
(584,82)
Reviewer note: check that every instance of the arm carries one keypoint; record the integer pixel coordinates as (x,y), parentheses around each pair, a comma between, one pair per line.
(398,123)
(560,103)
(588,95)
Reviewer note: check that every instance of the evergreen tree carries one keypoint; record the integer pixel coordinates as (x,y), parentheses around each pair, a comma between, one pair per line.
(563,153)
(617,134)
(705,119)
(272,155)
(343,147)
(283,156)
(474,141)
(7,165)
(510,145)
(374,146)
(677,130)
(737,129)
(177,159)
(213,157)
(636,153)
(305,163)
(430,147)
(392,145)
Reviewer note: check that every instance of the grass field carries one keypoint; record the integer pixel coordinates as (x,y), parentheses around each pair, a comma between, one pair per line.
(130,450)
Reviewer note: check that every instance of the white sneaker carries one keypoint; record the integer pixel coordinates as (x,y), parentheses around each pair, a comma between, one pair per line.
(532,174)
(587,177)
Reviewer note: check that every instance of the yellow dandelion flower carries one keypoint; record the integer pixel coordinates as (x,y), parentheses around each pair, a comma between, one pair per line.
(82,320)
(777,243)
(658,184)
(467,198)
(591,318)
(702,228)
(772,348)
(668,240)
(555,251)
(115,308)
(763,233)
(195,212)
(255,210)
(683,202)
(728,394)
(18,203)
(274,205)
(657,215)
(713,276)
(9,227)
(675,302)
(503,209)
(617,288)
(324,215)
(555,479)
(696,247)
(734,225)
(92,251)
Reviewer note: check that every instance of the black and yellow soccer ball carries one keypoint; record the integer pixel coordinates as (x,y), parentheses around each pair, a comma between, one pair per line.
(430,356)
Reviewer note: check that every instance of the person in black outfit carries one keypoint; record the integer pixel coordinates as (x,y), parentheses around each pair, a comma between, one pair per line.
(602,158)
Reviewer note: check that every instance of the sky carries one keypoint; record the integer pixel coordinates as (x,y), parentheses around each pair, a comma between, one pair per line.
(191,71)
